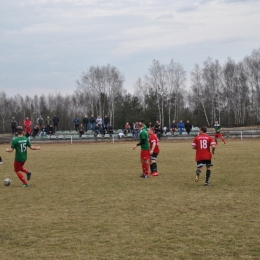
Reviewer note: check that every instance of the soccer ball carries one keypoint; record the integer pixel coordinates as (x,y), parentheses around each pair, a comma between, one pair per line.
(7,182)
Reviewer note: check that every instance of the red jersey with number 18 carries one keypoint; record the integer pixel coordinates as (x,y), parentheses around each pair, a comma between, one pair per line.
(202,144)
(154,139)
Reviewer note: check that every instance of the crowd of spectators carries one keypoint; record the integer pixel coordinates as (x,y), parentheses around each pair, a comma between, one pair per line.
(97,126)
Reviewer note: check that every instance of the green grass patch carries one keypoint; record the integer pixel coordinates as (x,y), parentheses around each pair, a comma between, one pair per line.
(87,201)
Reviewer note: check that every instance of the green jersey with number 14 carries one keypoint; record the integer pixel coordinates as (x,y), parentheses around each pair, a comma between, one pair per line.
(20,145)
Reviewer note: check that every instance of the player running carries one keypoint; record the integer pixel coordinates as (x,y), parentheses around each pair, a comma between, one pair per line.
(20,145)
(154,151)
(145,149)
(202,144)
(217,134)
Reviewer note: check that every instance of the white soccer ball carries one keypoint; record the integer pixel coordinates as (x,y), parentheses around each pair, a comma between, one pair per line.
(7,182)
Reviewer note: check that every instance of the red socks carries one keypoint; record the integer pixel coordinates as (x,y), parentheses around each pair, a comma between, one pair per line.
(20,176)
(145,167)
(24,170)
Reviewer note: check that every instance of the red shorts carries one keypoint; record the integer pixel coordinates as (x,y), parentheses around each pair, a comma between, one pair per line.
(18,166)
(145,155)
(218,135)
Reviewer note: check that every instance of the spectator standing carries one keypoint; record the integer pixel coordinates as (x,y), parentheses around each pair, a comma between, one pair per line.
(135,128)
(188,127)
(55,121)
(48,122)
(85,123)
(76,122)
(106,121)
(13,125)
(92,122)
(27,126)
(157,129)
(181,127)
(40,121)
(173,127)
(99,121)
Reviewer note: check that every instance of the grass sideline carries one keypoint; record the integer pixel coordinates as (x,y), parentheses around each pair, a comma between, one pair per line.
(87,201)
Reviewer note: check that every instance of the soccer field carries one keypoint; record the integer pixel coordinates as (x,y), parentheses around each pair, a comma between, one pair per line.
(87,201)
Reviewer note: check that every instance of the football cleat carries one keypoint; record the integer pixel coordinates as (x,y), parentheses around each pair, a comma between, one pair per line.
(25,185)
(29,176)
(154,173)
(197,177)
(206,184)
(144,176)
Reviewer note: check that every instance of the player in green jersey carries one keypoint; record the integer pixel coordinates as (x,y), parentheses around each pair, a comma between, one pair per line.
(217,134)
(20,145)
(145,149)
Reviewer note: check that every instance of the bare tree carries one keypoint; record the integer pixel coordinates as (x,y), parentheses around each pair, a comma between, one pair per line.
(5,109)
(252,65)
(175,80)
(156,81)
(198,89)
(100,86)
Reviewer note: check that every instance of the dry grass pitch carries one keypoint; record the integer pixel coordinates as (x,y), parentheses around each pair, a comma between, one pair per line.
(87,201)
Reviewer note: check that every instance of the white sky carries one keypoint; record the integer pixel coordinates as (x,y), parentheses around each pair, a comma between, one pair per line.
(45,45)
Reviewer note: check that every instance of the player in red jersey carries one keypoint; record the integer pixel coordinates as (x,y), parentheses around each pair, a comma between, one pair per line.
(154,151)
(202,144)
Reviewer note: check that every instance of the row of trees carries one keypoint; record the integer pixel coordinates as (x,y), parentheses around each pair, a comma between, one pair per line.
(228,92)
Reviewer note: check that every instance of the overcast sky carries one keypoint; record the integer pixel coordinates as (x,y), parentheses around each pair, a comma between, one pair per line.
(45,45)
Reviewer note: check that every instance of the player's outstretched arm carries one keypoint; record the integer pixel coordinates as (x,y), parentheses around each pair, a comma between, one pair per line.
(9,150)
(35,148)
(213,149)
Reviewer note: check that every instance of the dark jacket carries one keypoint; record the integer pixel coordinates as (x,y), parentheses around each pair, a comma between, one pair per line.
(50,130)
(40,121)
(188,126)
(48,122)
(173,125)
(55,120)
(44,130)
(76,121)
(13,123)
(85,120)
(106,120)
(92,120)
